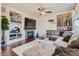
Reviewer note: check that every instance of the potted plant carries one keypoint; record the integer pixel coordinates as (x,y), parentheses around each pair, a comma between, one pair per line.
(4,27)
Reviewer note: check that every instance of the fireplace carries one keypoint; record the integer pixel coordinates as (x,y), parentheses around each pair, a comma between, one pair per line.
(30,26)
(30,34)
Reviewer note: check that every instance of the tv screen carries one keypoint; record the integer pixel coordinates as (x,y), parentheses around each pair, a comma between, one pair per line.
(29,23)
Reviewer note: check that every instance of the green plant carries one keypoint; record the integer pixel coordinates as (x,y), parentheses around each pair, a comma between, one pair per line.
(4,27)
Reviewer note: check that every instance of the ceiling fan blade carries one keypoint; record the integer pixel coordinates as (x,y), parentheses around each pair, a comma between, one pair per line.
(48,11)
(39,9)
(40,14)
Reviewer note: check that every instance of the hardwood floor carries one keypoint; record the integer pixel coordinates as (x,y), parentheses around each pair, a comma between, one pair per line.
(8,50)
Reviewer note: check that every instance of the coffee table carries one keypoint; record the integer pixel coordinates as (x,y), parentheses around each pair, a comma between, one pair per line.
(20,49)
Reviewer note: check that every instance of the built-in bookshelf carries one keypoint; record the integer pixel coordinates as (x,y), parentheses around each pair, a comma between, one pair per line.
(15,25)
(15,33)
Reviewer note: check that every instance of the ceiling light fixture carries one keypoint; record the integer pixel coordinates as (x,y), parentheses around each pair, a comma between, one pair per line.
(44,11)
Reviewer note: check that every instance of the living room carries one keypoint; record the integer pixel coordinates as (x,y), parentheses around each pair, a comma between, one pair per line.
(45,20)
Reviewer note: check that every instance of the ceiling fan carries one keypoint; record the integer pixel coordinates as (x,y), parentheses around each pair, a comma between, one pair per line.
(44,11)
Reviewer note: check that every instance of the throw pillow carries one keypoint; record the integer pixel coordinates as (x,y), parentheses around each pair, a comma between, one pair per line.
(73,37)
(66,39)
(61,33)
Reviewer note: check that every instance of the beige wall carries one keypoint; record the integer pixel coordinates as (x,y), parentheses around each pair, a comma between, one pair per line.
(43,25)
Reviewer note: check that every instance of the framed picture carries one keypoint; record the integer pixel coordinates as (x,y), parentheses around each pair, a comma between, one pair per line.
(15,17)
(64,22)
(3,9)
(59,20)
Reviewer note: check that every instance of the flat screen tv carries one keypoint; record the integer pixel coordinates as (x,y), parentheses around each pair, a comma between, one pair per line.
(30,23)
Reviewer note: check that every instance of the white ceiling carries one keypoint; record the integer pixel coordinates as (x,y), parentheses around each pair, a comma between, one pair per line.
(31,8)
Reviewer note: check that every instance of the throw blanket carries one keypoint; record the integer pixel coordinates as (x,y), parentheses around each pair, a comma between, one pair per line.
(66,52)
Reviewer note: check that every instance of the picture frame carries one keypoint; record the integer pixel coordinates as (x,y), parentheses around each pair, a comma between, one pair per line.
(15,17)
(64,22)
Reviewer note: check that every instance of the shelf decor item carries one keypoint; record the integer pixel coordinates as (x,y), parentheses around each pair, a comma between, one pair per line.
(37,35)
(15,33)
(51,21)
(4,27)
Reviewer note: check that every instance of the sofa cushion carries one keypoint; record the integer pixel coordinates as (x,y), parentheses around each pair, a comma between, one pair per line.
(60,51)
(67,33)
(52,32)
(73,37)
(74,44)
